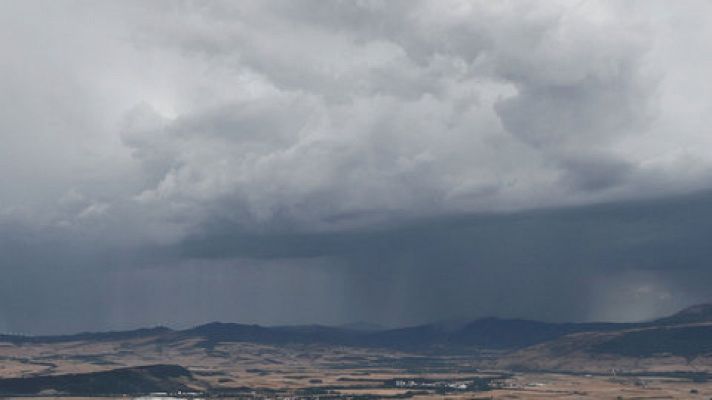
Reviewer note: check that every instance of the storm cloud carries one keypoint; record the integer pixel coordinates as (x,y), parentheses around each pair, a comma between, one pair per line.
(307,161)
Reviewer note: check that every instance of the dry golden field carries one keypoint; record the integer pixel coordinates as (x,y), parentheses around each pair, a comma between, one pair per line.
(266,371)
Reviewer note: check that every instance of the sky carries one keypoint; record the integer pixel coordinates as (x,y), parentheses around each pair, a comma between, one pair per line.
(309,161)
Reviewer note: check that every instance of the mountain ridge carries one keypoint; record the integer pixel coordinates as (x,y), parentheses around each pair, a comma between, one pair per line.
(484,333)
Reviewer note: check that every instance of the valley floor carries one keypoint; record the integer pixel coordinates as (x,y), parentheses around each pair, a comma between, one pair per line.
(519,386)
(248,370)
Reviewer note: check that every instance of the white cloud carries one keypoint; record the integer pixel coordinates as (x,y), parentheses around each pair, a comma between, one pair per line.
(274,113)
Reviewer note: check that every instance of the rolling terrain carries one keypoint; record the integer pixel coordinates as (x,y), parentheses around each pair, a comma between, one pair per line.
(681,342)
(145,379)
(229,358)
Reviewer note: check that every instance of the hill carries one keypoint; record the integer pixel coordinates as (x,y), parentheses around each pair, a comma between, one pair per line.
(525,343)
(693,314)
(134,380)
(683,339)
(485,333)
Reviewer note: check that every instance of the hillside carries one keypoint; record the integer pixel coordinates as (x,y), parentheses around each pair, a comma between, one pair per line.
(693,314)
(684,338)
(238,358)
(135,380)
(486,333)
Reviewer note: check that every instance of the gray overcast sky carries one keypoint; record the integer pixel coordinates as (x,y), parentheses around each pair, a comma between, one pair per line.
(176,162)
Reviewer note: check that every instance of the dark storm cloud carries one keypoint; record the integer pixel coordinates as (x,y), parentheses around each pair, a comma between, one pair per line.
(622,261)
(592,173)
(305,161)
(583,112)
(478,265)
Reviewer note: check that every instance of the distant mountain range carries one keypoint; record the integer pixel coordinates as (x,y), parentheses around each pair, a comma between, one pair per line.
(218,356)
(685,333)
